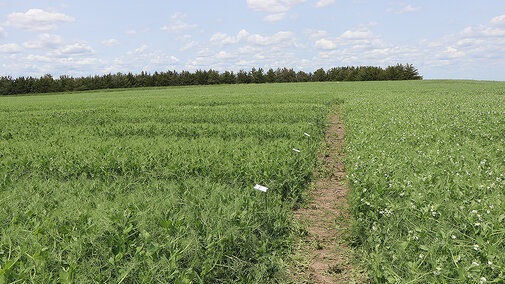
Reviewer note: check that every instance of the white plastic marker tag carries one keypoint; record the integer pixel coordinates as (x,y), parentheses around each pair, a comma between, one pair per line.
(311,124)
(296,150)
(306,134)
(261,188)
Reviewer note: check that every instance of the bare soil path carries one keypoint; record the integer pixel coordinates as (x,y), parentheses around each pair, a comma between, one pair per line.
(323,256)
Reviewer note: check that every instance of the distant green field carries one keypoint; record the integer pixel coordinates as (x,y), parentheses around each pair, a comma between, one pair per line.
(155,185)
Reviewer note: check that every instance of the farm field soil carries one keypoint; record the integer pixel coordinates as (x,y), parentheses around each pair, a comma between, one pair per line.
(323,254)
(148,185)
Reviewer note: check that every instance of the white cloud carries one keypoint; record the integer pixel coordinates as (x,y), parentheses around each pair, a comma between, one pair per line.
(357,37)
(45,41)
(405,9)
(274,17)
(141,60)
(3,33)
(473,43)
(176,24)
(187,42)
(272,6)
(38,58)
(131,32)
(498,21)
(110,42)
(324,3)
(37,20)
(10,48)
(359,33)
(80,48)
(279,38)
(141,49)
(189,45)
(314,34)
(325,44)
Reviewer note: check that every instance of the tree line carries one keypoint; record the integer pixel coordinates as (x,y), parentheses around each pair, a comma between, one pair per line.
(46,83)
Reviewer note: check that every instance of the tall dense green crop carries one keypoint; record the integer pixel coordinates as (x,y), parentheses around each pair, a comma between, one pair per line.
(427,165)
(156,185)
(153,185)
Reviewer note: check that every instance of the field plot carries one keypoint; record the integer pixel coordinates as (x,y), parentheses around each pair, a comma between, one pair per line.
(426,161)
(154,185)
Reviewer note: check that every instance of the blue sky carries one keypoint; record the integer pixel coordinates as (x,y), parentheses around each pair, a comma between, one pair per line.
(443,39)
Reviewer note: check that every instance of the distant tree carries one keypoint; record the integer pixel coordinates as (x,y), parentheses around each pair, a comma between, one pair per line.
(213,77)
(302,77)
(257,76)
(286,75)
(6,86)
(411,73)
(187,78)
(46,83)
(227,77)
(319,75)
(243,77)
(270,77)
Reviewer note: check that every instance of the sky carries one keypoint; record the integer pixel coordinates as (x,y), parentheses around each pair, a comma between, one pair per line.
(444,39)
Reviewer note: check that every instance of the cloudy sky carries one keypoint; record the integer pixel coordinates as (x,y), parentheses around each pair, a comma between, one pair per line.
(443,38)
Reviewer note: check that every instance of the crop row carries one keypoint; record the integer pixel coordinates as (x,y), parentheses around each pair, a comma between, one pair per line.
(153,185)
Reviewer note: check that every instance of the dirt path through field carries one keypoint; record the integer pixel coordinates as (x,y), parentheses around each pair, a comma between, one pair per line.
(322,256)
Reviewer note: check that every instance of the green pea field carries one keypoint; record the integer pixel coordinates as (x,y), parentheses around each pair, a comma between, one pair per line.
(156,184)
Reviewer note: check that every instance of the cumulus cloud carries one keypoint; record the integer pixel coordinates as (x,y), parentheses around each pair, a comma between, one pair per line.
(187,41)
(324,3)
(276,8)
(325,44)
(270,6)
(177,25)
(110,42)
(37,20)
(80,48)
(141,59)
(10,48)
(45,41)
(360,36)
(314,34)
(485,41)
(403,9)
(274,17)
(282,38)
(498,21)
(189,45)
(141,49)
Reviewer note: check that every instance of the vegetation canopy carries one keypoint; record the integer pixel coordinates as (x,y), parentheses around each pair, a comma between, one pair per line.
(45,84)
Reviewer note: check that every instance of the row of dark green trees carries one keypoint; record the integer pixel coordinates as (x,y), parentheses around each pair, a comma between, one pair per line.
(45,84)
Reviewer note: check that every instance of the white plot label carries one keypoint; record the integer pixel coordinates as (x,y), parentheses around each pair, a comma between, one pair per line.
(306,134)
(261,188)
(296,150)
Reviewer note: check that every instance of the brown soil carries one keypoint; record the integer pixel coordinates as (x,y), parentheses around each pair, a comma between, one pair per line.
(322,255)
